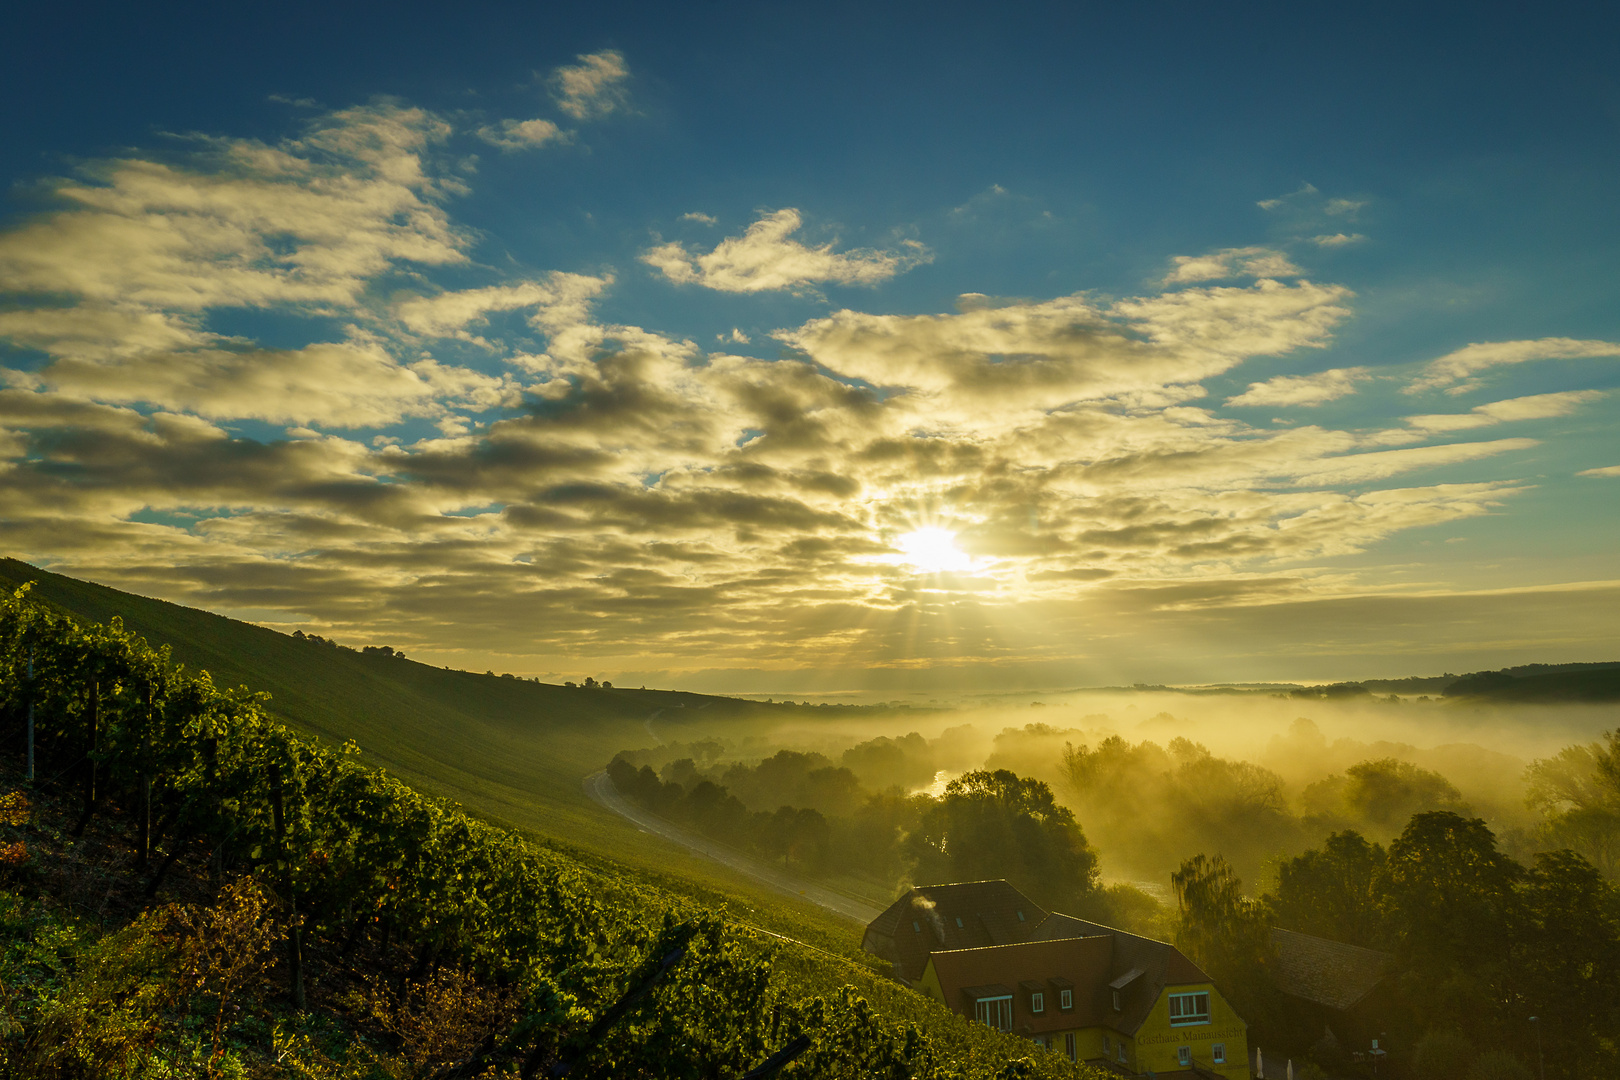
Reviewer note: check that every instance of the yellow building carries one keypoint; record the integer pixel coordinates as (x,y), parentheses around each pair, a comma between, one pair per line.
(1091,993)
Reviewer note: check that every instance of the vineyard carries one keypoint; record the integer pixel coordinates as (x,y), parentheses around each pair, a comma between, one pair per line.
(289,911)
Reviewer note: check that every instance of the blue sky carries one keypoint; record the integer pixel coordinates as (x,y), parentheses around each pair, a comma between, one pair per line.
(1185,343)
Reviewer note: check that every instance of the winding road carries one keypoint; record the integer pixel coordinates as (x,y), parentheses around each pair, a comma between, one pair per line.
(600,788)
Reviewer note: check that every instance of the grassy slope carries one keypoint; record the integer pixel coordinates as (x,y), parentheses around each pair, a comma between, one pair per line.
(512,750)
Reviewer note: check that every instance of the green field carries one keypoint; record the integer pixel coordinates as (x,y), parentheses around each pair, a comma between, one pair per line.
(507,749)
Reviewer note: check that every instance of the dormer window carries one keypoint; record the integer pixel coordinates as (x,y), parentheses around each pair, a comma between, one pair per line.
(1065,1000)
(1037,1002)
(1116,1001)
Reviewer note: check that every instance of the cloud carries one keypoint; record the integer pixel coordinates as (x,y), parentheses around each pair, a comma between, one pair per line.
(522,134)
(309,222)
(1049,354)
(1343,207)
(704,219)
(284,376)
(1254,262)
(1303,191)
(1606,470)
(764,259)
(561,300)
(1315,389)
(594,87)
(1456,367)
(1333,240)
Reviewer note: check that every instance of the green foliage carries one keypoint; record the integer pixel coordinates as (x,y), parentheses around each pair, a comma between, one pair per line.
(1332,892)
(1578,792)
(1148,805)
(1442,1055)
(1002,825)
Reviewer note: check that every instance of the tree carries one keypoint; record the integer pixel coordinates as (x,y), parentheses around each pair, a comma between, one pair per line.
(1566,956)
(1002,825)
(1224,931)
(1578,792)
(1386,793)
(1332,892)
(1449,896)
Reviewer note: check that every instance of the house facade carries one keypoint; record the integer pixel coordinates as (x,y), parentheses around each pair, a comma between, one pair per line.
(1089,992)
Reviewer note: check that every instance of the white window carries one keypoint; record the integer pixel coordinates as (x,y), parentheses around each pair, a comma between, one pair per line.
(1065,999)
(1116,1001)
(994,1012)
(1037,1002)
(1121,1054)
(1218,1053)
(1189,1009)
(1108,1046)
(1070,1048)
(1184,1055)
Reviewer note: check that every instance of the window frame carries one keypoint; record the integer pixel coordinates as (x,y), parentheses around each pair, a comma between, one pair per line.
(1184,1056)
(1117,1002)
(1182,1001)
(1037,1002)
(1217,1053)
(1065,1000)
(1071,1046)
(1000,1005)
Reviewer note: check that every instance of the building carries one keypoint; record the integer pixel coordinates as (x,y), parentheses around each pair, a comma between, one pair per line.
(1081,989)
(968,915)
(1329,986)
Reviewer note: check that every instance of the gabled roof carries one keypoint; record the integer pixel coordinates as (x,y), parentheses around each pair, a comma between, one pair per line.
(1326,972)
(964,974)
(1140,968)
(1093,960)
(964,915)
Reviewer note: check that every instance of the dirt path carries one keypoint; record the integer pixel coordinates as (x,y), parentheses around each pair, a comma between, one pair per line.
(600,788)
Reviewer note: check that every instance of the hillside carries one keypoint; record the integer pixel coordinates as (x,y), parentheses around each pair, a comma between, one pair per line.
(512,750)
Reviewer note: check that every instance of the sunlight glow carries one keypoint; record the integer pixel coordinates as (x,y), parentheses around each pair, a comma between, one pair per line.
(933,551)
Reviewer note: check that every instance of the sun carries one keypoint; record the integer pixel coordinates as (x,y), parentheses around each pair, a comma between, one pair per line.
(933,551)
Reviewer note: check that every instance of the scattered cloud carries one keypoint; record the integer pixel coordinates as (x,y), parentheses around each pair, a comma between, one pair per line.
(702,219)
(1536,407)
(1343,207)
(1333,240)
(1253,262)
(522,134)
(766,258)
(594,87)
(1303,191)
(1606,470)
(438,437)
(1315,389)
(1454,372)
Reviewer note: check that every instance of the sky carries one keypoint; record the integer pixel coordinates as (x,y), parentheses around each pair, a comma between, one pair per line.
(821,348)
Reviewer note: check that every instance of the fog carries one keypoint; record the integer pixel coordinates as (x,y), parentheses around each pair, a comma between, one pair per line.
(1154,777)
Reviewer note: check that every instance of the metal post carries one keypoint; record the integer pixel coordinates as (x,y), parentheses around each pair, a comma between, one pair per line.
(31,716)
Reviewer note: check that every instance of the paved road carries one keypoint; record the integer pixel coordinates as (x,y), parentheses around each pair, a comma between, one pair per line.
(600,788)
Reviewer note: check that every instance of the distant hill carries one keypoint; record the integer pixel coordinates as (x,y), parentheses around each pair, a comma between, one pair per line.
(1541,683)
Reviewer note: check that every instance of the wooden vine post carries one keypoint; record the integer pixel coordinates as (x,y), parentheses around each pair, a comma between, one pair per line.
(90,756)
(295,932)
